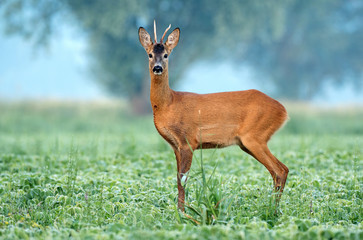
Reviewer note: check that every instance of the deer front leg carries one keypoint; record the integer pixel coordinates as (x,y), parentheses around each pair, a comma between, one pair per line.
(184,159)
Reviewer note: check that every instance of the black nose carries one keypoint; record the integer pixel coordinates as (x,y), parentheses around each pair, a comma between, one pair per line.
(157,69)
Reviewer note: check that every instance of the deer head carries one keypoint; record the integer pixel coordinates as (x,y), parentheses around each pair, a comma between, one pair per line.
(158,52)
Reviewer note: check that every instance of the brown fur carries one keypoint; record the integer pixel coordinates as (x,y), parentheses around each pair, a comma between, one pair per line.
(188,121)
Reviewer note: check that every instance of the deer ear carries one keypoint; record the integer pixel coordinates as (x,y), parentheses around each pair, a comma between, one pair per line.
(173,39)
(144,38)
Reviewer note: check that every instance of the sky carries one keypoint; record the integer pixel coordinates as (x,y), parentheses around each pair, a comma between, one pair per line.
(61,72)
(58,72)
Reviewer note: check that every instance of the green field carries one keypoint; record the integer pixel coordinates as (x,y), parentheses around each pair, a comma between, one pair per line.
(90,170)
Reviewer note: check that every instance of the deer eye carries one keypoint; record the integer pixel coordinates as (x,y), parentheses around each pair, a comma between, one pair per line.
(150,55)
(166,56)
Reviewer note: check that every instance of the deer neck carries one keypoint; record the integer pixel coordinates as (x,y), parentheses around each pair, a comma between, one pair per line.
(160,92)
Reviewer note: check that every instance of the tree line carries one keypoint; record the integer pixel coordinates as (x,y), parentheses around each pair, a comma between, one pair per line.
(298,46)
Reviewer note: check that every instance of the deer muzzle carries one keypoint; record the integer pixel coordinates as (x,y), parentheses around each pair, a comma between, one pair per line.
(158,70)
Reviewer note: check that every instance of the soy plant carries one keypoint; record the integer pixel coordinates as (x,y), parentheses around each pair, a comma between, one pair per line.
(72,170)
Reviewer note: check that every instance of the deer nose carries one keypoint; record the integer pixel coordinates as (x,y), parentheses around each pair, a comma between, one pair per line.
(158,69)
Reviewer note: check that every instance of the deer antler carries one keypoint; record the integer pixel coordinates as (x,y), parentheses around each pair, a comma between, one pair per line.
(155,32)
(161,40)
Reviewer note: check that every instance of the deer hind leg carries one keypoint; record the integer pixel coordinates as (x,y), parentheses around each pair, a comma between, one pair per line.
(260,151)
(184,159)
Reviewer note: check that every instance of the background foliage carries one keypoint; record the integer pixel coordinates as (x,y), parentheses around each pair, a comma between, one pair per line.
(297,45)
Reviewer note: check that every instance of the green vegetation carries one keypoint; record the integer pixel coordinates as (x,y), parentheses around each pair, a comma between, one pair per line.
(288,43)
(89,170)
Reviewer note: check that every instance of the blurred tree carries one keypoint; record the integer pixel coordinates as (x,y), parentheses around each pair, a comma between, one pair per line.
(302,45)
(297,45)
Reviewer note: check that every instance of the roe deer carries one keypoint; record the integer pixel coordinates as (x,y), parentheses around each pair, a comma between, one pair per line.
(189,121)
